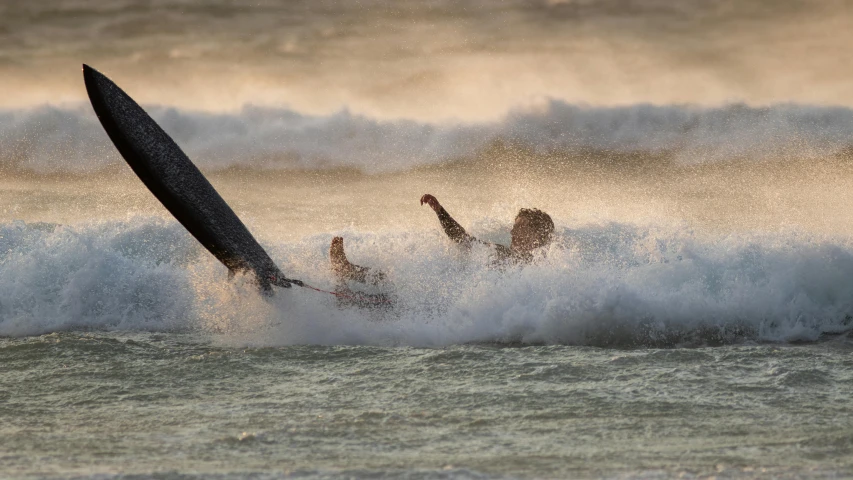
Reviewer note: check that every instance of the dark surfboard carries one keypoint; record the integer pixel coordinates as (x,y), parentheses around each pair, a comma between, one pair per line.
(177,183)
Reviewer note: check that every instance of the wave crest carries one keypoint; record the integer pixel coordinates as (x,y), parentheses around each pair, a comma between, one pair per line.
(52,139)
(600,285)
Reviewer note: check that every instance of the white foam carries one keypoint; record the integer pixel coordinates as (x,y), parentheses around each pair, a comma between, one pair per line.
(51,139)
(611,284)
(124,276)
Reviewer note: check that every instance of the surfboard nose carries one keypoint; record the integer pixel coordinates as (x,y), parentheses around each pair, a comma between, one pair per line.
(88,73)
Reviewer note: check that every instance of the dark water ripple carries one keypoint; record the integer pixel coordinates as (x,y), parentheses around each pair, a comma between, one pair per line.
(178,406)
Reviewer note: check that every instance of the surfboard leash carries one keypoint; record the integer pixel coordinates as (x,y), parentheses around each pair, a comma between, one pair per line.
(353,297)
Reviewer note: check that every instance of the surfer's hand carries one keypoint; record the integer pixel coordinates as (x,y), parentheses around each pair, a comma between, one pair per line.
(431,201)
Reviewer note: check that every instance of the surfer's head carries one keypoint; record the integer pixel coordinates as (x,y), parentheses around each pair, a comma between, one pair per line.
(532,229)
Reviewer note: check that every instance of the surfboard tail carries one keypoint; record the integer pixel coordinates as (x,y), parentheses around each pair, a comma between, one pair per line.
(178,184)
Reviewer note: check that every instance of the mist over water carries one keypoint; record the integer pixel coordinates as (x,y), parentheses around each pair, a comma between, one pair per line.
(471,60)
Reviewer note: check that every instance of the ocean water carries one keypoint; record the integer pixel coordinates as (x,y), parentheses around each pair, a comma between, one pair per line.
(168,405)
(692,318)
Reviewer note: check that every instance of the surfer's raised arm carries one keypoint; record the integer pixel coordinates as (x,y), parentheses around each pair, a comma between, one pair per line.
(532,229)
(451,227)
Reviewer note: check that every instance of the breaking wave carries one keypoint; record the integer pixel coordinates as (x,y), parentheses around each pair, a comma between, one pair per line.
(602,285)
(52,139)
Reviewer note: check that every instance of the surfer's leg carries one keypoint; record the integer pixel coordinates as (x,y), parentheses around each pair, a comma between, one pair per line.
(344,270)
(337,257)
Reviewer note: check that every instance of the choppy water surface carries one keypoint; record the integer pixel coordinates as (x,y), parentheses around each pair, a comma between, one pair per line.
(77,404)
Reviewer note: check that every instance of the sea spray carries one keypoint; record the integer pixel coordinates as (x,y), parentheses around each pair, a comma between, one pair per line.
(600,285)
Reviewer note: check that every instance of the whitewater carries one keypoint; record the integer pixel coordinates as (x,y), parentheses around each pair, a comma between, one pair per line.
(616,285)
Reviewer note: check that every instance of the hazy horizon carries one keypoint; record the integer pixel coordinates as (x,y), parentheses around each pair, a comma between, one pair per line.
(430,61)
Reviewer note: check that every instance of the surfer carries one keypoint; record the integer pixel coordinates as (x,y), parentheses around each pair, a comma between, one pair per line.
(531,230)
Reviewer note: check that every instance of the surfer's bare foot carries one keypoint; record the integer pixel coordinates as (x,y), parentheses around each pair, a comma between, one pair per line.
(337,255)
(345,270)
(431,201)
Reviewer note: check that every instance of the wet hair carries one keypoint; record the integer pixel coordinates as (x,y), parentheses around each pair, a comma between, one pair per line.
(541,223)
